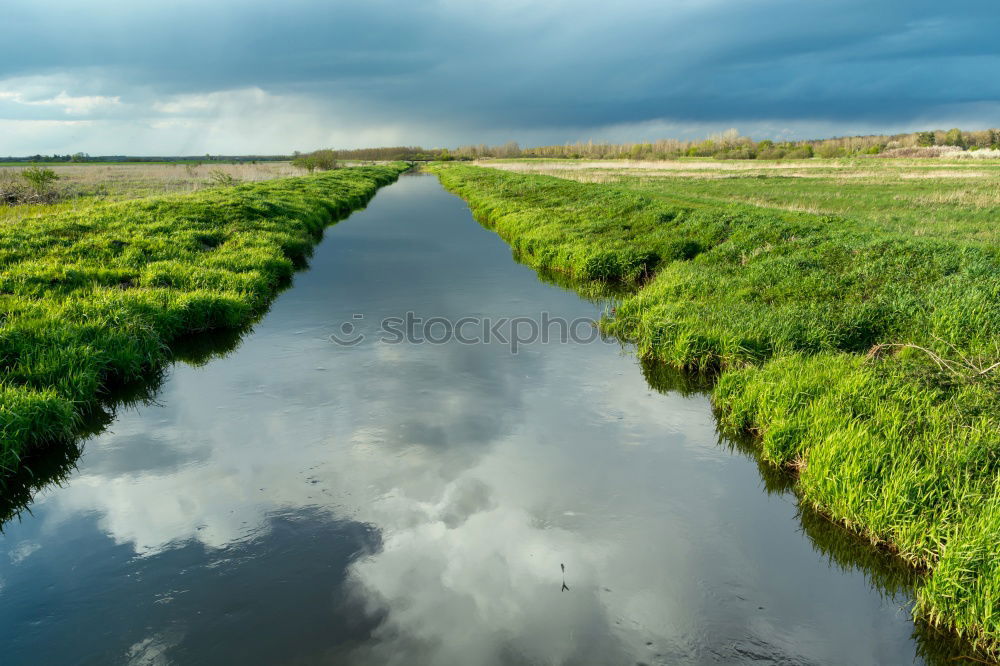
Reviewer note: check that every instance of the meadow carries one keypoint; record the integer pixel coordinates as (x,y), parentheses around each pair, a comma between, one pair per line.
(847,314)
(959,198)
(94,296)
(83,184)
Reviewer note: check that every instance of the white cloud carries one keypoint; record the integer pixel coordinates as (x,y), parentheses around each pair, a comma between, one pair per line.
(473,534)
(69,104)
(23,550)
(238,121)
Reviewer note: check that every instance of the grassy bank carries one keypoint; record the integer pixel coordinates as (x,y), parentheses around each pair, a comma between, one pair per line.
(944,198)
(862,356)
(95,296)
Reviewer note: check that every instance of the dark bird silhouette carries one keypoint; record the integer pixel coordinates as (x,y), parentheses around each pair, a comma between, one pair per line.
(565,587)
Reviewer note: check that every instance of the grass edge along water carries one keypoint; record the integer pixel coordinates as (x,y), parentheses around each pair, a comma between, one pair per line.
(94,297)
(861,359)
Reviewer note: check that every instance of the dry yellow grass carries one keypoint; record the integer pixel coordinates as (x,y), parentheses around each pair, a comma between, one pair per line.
(82,184)
(124,180)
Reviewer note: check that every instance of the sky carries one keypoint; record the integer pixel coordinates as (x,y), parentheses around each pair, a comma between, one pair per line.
(258,76)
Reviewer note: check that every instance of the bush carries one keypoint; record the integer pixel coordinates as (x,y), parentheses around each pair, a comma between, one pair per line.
(39,179)
(321,160)
(742,153)
(16,190)
(770,153)
(800,153)
(830,151)
(220,177)
(923,151)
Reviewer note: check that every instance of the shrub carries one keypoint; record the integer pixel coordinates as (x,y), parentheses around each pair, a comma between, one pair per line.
(38,178)
(220,177)
(923,151)
(800,153)
(829,151)
(322,160)
(742,153)
(770,153)
(15,190)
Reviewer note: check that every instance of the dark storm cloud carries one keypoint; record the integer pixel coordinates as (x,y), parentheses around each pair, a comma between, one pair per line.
(525,66)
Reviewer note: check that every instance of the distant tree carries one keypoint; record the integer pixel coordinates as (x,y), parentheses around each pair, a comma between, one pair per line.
(925,138)
(829,150)
(509,149)
(324,160)
(730,137)
(954,138)
(304,162)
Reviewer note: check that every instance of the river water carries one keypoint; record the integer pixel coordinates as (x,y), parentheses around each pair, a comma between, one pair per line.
(300,501)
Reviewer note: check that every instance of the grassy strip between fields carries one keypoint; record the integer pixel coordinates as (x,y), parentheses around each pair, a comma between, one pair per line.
(94,297)
(862,359)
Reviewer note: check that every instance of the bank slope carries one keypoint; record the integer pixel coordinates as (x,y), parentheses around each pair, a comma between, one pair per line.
(94,297)
(862,359)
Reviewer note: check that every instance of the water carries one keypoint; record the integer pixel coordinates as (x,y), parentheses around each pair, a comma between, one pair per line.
(301,502)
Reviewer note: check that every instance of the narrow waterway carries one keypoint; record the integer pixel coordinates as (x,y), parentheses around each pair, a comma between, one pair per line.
(300,501)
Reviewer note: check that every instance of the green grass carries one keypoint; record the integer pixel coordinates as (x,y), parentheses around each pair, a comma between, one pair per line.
(96,296)
(944,198)
(855,353)
(918,204)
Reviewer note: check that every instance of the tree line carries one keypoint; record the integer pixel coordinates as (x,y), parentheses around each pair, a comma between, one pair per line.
(77,158)
(726,145)
(732,145)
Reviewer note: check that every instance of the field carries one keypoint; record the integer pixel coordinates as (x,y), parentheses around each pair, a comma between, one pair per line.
(83,184)
(849,313)
(957,198)
(97,295)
